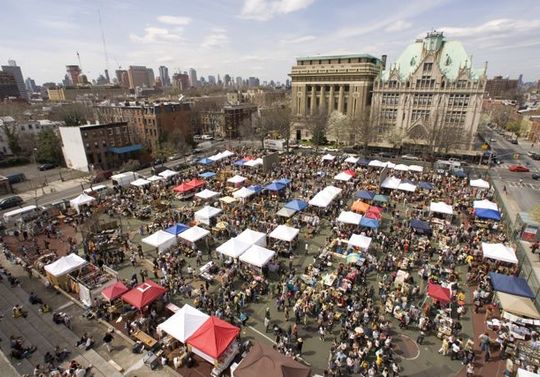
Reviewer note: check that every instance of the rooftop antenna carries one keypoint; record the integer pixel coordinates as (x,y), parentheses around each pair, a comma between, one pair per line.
(103,41)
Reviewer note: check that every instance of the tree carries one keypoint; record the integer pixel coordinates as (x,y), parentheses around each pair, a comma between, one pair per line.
(48,147)
(501,115)
(364,129)
(338,127)
(318,123)
(74,114)
(535,213)
(12,136)
(171,143)
(514,126)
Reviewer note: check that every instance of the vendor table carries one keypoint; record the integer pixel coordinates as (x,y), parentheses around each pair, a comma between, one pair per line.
(146,339)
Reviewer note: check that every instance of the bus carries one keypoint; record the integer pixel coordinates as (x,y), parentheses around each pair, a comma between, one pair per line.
(24,213)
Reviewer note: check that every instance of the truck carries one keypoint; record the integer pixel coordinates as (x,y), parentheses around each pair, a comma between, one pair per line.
(124,179)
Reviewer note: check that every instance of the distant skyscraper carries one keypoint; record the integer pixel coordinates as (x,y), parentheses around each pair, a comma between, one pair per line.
(30,85)
(211,80)
(227,79)
(193,77)
(8,86)
(73,72)
(138,76)
(13,69)
(253,82)
(181,80)
(107,77)
(151,77)
(122,77)
(239,82)
(164,76)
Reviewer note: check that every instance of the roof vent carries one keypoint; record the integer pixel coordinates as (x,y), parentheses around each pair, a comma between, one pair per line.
(448,60)
(413,61)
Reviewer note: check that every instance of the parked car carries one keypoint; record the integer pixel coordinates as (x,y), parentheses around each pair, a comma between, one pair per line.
(47,166)
(536,176)
(534,155)
(16,178)
(514,141)
(10,201)
(518,168)
(410,157)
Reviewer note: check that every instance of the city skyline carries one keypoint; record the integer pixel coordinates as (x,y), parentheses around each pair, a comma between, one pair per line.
(260,38)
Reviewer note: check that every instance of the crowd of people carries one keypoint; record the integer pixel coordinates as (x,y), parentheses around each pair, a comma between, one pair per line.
(358,308)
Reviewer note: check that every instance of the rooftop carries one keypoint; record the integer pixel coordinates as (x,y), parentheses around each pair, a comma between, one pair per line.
(327,57)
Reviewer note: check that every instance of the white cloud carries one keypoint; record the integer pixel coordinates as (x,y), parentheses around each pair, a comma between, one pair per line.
(502,26)
(305,38)
(215,40)
(174,20)
(399,25)
(263,10)
(155,35)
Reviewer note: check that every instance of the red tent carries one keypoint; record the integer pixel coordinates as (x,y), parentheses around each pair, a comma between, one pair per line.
(213,337)
(374,213)
(114,291)
(439,293)
(194,183)
(144,294)
(350,172)
(184,187)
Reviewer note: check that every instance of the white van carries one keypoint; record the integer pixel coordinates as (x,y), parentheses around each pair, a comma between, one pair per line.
(23,213)
(124,179)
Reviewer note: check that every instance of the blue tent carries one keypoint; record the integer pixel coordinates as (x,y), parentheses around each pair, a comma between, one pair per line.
(369,223)
(459,173)
(363,162)
(177,229)
(489,214)
(380,198)
(365,195)
(296,204)
(256,188)
(421,226)
(205,161)
(511,285)
(274,186)
(283,181)
(207,174)
(425,185)
(240,162)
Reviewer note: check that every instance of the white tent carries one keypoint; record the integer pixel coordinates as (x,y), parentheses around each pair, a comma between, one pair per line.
(233,248)
(406,186)
(243,193)
(441,207)
(227,199)
(324,197)
(155,178)
(81,200)
(485,204)
(284,233)
(161,240)
(480,183)
(526,373)
(391,183)
(416,168)
(343,177)
(252,237)
(377,164)
(390,165)
(206,213)
(500,252)
(286,212)
(227,153)
(168,173)
(254,163)
(206,194)
(401,167)
(140,182)
(65,265)
(183,323)
(257,256)
(328,157)
(358,240)
(352,159)
(194,234)
(349,217)
(236,179)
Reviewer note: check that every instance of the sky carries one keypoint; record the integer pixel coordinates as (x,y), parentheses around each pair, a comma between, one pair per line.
(258,38)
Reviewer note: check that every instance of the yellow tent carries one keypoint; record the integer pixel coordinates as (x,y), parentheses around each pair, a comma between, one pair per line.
(517,305)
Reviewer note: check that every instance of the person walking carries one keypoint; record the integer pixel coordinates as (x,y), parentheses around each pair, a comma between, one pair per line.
(108,338)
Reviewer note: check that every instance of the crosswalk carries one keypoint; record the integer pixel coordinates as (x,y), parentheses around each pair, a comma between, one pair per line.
(517,184)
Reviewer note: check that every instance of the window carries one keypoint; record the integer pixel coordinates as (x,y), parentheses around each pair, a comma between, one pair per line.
(30,126)
(390,98)
(428,67)
(419,114)
(422,99)
(458,100)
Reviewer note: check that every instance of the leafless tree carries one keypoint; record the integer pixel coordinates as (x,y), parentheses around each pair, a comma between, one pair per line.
(318,124)
(364,129)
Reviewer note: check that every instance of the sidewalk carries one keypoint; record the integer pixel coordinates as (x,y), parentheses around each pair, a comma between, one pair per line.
(52,187)
(38,329)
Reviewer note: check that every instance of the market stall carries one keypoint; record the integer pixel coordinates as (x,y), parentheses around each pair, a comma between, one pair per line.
(439,293)
(257,256)
(296,204)
(205,214)
(365,195)
(206,194)
(243,193)
(479,183)
(236,180)
(252,237)
(81,200)
(328,157)
(441,207)
(359,241)
(349,217)
(161,240)
(140,182)
(360,206)
(263,360)
(324,197)
(182,324)
(233,248)
(286,212)
(88,282)
(114,291)
(517,305)
(421,227)
(58,271)
(284,233)
(511,284)
(176,229)
(500,252)
(391,183)
(144,294)
(194,234)
(168,173)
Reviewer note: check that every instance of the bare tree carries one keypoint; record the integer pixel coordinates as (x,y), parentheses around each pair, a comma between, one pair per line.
(318,124)
(338,128)
(501,115)
(73,114)
(364,129)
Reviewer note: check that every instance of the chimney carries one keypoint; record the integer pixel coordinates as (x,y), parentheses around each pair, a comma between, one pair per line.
(383,59)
